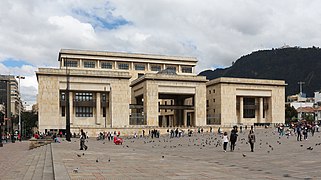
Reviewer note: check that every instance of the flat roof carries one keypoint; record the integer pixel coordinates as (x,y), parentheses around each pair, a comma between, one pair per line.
(248,81)
(124,55)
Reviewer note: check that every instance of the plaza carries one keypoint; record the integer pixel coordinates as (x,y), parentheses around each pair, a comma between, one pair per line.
(198,157)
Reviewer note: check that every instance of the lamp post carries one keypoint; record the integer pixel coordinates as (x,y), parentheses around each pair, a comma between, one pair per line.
(68,135)
(20,105)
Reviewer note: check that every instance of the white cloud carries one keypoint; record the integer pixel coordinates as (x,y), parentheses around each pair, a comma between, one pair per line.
(216,32)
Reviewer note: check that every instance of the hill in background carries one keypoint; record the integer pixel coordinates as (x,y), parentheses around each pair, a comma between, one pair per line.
(290,64)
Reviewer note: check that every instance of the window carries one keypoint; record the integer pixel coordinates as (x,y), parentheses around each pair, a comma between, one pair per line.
(249,108)
(89,64)
(83,96)
(156,68)
(62,96)
(123,66)
(187,69)
(103,97)
(165,105)
(106,65)
(214,110)
(209,91)
(207,105)
(140,67)
(172,68)
(140,75)
(104,112)
(70,63)
(213,100)
(213,90)
(63,111)
(84,111)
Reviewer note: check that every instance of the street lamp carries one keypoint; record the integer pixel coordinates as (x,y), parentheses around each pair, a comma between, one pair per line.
(20,106)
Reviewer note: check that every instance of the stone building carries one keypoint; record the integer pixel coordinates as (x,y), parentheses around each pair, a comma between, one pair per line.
(232,101)
(100,93)
(129,92)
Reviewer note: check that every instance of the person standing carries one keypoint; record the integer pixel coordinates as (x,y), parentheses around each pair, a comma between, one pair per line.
(82,140)
(298,131)
(233,138)
(251,139)
(225,141)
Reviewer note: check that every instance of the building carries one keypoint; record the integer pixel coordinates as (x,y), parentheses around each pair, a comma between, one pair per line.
(9,90)
(99,89)
(110,91)
(233,101)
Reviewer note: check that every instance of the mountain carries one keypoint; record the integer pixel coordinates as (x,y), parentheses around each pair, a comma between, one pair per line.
(292,64)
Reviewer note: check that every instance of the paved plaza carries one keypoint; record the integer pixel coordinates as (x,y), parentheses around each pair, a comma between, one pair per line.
(198,157)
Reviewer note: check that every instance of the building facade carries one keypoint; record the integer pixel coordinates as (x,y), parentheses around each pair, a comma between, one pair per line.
(110,91)
(232,101)
(99,88)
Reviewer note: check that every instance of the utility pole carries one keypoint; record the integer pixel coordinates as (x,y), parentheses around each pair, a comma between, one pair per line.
(301,83)
(20,106)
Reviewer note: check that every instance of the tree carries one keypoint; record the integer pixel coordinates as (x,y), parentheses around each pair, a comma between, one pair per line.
(30,120)
(290,113)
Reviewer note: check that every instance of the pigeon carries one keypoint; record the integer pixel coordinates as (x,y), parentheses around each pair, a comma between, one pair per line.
(97,160)
(78,155)
(310,148)
(244,155)
(83,154)
(108,159)
(75,170)
(301,145)
(163,157)
(103,142)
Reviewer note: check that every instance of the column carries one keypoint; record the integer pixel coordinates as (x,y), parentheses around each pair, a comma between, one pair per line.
(148,67)
(241,110)
(71,107)
(98,64)
(185,118)
(151,104)
(179,69)
(98,108)
(260,119)
(80,63)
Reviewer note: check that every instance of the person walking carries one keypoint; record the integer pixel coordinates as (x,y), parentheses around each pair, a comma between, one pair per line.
(298,131)
(251,137)
(82,140)
(225,141)
(233,138)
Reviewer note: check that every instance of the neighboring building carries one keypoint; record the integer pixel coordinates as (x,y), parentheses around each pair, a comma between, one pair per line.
(297,105)
(15,102)
(245,101)
(317,98)
(306,111)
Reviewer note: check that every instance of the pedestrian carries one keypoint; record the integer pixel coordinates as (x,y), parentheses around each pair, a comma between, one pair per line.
(225,141)
(298,131)
(305,133)
(82,140)
(143,133)
(233,138)
(251,137)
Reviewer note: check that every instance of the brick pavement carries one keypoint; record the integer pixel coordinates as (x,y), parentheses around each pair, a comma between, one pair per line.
(197,157)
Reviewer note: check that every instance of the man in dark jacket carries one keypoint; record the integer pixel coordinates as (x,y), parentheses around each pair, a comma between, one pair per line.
(233,138)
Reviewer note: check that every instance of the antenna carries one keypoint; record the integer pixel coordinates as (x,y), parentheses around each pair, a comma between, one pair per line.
(301,83)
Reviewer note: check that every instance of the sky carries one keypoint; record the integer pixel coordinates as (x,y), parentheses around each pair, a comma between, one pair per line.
(216,32)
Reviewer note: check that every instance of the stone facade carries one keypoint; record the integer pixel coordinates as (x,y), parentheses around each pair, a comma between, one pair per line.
(232,101)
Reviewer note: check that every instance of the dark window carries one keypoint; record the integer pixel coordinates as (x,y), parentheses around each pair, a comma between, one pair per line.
(103,97)
(104,112)
(165,105)
(209,91)
(89,64)
(213,90)
(63,111)
(172,68)
(140,75)
(83,96)
(70,63)
(249,108)
(62,96)
(123,66)
(140,67)
(187,69)
(84,111)
(207,105)
(106,65)
(156,67)
(213,100)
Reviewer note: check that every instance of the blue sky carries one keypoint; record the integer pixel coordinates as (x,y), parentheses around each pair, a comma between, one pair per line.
(216,32)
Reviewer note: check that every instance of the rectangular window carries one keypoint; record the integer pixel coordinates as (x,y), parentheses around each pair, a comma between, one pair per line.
(104,112)
(62,96)
(165,105)
(84,111)
(123,66)
(209,91)
(83,96)
(249,108)
(156,67)
(187,69)
(140,75)
(172,68)
(213,100)
(89,64)
(63,111)
(207,105)
(213,90)
(70,63)
(140,67)
(106,65)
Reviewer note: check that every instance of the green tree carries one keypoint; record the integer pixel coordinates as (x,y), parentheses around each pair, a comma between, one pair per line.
(290,113)
(29,120)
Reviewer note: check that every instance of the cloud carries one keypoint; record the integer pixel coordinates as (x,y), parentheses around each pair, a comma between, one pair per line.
(216,32)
